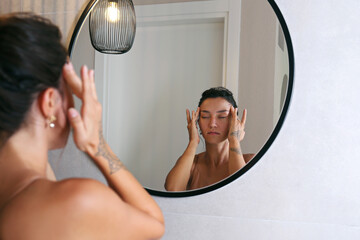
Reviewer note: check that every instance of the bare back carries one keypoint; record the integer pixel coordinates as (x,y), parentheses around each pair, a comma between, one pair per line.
(40,211)
(70,209)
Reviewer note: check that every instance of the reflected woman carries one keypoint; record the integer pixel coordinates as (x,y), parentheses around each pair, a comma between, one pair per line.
(219,125)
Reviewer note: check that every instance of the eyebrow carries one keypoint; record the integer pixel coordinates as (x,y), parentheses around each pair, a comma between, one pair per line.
(221,111)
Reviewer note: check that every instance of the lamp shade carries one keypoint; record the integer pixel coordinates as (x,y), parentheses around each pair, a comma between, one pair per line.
(112,25)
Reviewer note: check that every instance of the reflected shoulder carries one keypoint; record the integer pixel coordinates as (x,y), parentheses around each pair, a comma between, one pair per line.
(248,156)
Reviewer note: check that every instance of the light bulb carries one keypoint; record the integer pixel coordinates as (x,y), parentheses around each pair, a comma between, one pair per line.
(112,12)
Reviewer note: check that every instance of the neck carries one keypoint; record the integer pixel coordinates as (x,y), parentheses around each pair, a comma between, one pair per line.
(218,153)
(23,158)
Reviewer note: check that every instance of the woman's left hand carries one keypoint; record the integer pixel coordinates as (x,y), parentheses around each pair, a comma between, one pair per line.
(87,125)
(237,127)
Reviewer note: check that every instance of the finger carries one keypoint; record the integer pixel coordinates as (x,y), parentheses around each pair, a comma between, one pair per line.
(77,124)
(87,88)
(233,114)
(193,116)
(243,119)
(197,113)
(72,79)
(87,97)
(92,84)
(85,78)
(188,116)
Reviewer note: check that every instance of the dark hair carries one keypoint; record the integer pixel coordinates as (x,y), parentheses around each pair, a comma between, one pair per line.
(218,92)
(31,60)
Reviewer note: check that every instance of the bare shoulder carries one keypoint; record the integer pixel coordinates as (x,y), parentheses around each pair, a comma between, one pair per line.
(198,160)
(67,209)
(79,189)
(248,156)
(200,157)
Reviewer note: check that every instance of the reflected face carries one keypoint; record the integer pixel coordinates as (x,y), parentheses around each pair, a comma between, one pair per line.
(214,120)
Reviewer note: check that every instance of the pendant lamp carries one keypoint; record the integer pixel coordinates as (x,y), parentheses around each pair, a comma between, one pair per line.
(112,25)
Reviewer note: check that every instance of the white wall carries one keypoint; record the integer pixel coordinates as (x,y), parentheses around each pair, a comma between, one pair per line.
(307,185)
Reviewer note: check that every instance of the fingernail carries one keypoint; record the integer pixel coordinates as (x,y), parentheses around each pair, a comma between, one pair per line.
(69,66)
(72,112)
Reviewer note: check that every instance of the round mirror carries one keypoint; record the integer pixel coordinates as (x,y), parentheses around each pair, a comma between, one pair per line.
(182,48)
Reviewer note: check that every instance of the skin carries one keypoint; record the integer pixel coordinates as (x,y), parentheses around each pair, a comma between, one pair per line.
(223,132)
(32,206)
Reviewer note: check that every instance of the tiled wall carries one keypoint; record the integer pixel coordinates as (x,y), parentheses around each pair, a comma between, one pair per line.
(63,13)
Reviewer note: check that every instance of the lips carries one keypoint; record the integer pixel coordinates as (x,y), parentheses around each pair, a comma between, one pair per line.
(213,133)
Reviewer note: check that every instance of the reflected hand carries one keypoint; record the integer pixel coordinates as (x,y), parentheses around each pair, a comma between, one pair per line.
(237,127)
(192,127)
(87,125)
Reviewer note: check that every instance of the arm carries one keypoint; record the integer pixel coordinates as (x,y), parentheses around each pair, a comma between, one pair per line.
(88,138)
(236,135)
(179,175)
(248,157)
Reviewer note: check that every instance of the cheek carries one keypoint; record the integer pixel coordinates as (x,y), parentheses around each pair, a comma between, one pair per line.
(226,124)
(202,124)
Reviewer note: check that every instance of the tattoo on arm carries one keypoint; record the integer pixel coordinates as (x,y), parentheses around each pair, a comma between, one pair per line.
(114,162)
(236,150)
(236,134)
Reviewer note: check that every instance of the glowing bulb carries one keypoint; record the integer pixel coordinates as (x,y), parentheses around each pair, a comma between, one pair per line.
(112,12)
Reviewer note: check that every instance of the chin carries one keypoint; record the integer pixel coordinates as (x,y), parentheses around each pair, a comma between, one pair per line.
(215,140)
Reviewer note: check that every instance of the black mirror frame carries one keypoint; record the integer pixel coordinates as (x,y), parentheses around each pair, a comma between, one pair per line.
(273,135)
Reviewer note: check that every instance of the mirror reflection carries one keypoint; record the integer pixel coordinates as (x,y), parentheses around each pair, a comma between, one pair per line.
(216,120)
(180,50)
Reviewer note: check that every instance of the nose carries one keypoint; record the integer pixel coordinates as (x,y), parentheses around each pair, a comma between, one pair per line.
(212,122)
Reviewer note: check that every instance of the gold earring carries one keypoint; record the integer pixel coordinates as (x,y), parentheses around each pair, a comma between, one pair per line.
(51,120)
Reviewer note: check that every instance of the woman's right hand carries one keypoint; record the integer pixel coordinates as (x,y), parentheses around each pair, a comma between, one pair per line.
(87,125)
(178,178)
(192,126)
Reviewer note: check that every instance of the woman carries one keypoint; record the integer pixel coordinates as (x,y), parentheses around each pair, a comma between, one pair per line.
(36,111)
(223,131)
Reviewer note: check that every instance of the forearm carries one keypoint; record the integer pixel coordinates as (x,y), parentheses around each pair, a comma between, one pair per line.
(124,183)
(236,159)
(179,175)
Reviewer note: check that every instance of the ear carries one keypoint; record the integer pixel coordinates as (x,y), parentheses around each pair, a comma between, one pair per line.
(47,102)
